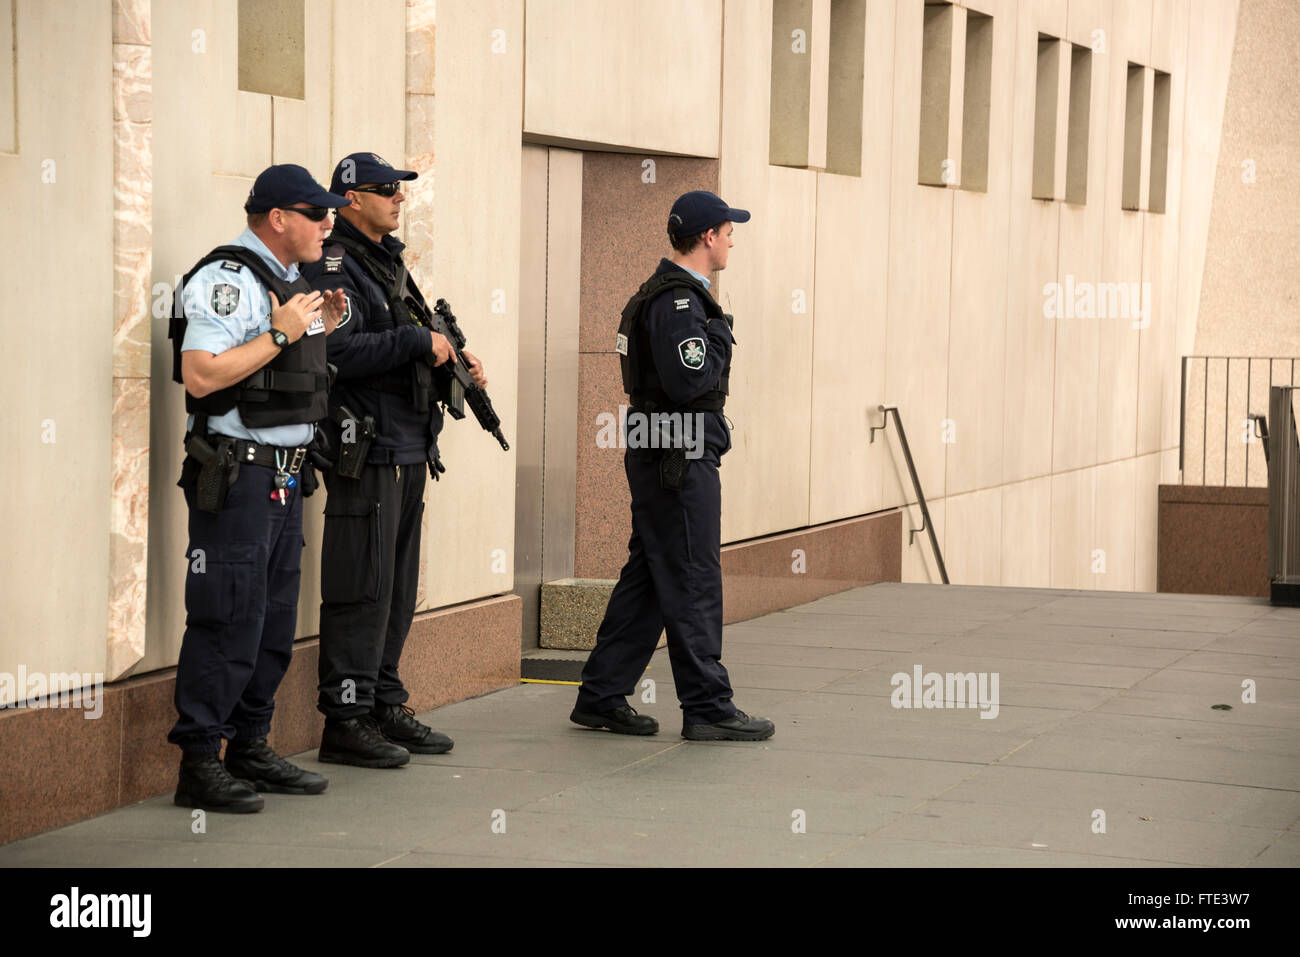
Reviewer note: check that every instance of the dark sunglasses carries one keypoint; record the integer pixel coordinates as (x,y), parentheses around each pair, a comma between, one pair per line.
(314,213)
(383,189)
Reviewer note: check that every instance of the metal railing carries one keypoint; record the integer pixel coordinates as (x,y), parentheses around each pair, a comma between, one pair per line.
(1221,398)
(926,525)
(1283,496)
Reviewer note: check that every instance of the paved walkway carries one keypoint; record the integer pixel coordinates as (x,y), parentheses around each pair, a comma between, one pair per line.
(1105,706)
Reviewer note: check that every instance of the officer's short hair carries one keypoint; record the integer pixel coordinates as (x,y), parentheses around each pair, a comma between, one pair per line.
(687,244)
(256,220)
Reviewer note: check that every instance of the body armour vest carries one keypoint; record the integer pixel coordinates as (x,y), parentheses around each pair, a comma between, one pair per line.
(406,306)
(640,379)
(291,389)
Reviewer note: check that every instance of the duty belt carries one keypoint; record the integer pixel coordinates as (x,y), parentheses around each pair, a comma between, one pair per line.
(251,453)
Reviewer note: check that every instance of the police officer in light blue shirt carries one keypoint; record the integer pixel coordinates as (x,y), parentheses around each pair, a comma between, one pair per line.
(249,346)
(225,309)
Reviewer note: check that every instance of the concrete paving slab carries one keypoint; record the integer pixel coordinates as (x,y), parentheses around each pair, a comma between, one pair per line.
(1080,652)
(1169,748)
(1153,618)
(46,851)
(1080,793)
(1246,666)
(1282,626)
(782,677)
(887,852)
(1284,852)
(1011,691)
(1271,646)
(426,859)
(1008,669)
(1126,836)
(640,843)
(1270,711)
(1097,634)
(747,765)
(836,812)
(735,650)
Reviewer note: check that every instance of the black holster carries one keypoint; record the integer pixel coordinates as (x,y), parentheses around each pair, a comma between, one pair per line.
(218,471)
(672,469)
(353,454)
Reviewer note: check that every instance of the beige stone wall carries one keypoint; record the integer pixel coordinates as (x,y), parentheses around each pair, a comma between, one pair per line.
(68,376)
(931,299)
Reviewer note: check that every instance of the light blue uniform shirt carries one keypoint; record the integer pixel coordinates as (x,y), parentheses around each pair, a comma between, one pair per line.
(207,330)
(706,283)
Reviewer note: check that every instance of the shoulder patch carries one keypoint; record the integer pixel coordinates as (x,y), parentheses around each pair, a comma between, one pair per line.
(692,352)
(223,298)
(681,304)
(232,265)
(347,312)
(333,258)
(620,344)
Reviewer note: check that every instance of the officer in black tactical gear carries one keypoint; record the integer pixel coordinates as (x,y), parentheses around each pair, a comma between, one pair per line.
(248,338)
(675,347)
(384,422)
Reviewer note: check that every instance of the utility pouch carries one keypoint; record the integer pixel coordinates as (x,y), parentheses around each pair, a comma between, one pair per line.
(423,393)
(361,433)
(672,469)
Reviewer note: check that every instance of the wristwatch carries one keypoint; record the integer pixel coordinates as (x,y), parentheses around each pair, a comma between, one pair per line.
(280,338)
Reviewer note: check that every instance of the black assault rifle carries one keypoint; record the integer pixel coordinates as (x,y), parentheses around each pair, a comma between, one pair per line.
(456,386)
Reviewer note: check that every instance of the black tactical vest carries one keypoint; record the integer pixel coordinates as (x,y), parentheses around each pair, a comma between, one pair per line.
(291,389)
(406,306)
(640,379)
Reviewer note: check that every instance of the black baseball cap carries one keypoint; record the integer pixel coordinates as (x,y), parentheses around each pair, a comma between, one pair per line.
(700,210)
(285,185)
(358,168)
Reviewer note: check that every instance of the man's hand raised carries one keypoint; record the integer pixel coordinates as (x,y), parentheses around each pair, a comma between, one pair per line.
(293,317)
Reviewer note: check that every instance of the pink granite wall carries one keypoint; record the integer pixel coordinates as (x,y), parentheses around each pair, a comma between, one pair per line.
(624,221)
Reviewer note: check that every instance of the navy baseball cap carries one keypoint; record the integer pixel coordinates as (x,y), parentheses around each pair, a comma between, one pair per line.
(285,185)
(358,168)
(700,210)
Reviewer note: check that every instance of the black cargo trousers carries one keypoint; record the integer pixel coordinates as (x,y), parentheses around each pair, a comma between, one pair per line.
(370,568)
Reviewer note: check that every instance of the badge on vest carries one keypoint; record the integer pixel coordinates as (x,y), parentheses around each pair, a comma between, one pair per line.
(692,352)
(223,298)
(620,345)
(682,304)
(316,328)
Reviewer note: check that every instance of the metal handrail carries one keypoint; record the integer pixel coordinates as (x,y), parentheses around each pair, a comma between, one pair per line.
(1284,497)
(926,525)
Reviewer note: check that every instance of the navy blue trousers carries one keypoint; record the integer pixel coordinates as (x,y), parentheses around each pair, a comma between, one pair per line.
(241,603)
(370,569)
(673,581)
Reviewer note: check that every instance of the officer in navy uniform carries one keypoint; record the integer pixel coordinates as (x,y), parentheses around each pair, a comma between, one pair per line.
(384,422)
(675,344)
(249,345)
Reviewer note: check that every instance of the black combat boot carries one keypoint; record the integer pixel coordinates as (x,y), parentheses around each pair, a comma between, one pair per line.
(738,727)
(205,783)
(256,763)
(358,742)
(397,723)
